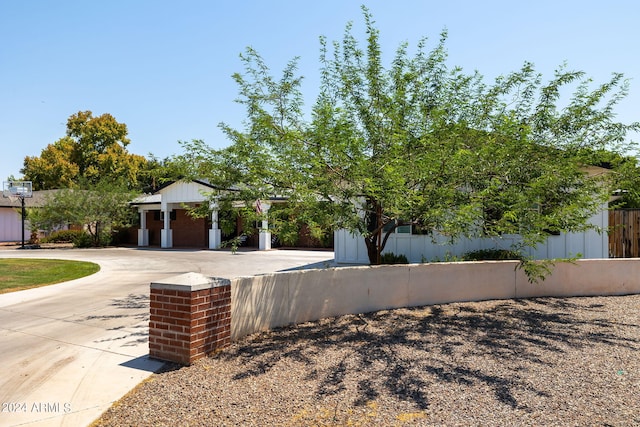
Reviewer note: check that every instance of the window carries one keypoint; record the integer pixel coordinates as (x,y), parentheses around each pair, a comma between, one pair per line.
(404,229)
(401,229)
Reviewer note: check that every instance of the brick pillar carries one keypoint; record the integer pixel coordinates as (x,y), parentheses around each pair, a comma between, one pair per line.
(190,317)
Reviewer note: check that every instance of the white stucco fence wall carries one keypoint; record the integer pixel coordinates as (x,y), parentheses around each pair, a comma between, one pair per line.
(281,299)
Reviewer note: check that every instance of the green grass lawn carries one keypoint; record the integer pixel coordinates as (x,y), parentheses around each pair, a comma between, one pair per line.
(19,273)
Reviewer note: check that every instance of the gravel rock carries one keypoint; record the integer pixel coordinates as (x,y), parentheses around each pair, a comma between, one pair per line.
(547,361)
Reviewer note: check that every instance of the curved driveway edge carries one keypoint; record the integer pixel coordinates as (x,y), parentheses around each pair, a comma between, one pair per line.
(70,350)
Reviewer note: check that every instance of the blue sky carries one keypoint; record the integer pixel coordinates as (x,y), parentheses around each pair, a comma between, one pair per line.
(164,67)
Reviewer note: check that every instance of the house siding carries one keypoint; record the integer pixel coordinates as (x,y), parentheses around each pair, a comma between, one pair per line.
(11,225)
(350,248)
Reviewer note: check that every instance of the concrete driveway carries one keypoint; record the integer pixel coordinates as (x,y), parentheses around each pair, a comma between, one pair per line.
(68,351)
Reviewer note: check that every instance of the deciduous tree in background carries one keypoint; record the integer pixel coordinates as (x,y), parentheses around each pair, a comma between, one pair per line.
(54,168)
(93,149)
(419,143)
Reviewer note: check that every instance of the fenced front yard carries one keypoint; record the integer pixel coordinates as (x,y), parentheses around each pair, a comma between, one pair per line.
(193,315)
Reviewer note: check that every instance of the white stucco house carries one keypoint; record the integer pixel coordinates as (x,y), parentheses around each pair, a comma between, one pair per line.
(11,216)
(11,222)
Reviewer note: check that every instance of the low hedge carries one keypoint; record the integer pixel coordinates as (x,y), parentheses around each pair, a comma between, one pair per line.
(492,255)
(64,236)
(391,258)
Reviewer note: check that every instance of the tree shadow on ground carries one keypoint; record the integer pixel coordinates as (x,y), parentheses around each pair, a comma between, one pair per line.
(131,318)
(133,306)
(403,352)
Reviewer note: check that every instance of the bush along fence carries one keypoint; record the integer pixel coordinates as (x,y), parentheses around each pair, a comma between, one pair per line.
(193,315)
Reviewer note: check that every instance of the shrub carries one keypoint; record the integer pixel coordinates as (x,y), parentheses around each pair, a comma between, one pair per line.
(492,255)
(34,239)
(63,236)
(83,240)
(391,258)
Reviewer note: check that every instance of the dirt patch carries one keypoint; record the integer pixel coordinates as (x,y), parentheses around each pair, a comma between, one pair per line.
(547,361)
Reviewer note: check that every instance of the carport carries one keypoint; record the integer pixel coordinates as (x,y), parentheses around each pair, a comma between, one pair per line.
(164,220)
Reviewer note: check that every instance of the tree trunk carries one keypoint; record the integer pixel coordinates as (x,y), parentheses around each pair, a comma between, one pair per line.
(373,220)
(373,250)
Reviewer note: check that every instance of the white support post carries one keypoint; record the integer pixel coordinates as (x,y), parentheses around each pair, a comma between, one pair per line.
(264,243)
(143,232)
(215,235)
(166,237)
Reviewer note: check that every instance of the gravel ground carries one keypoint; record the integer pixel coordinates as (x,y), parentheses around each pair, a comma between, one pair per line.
(540,362)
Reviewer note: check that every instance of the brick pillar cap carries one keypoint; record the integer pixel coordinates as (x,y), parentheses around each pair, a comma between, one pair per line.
(190,282)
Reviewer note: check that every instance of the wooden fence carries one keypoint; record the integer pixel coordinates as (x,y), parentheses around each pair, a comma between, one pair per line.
(624,235)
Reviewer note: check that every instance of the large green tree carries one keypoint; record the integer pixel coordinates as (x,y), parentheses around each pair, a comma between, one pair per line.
(93,149)
(419,143)
(100,210)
